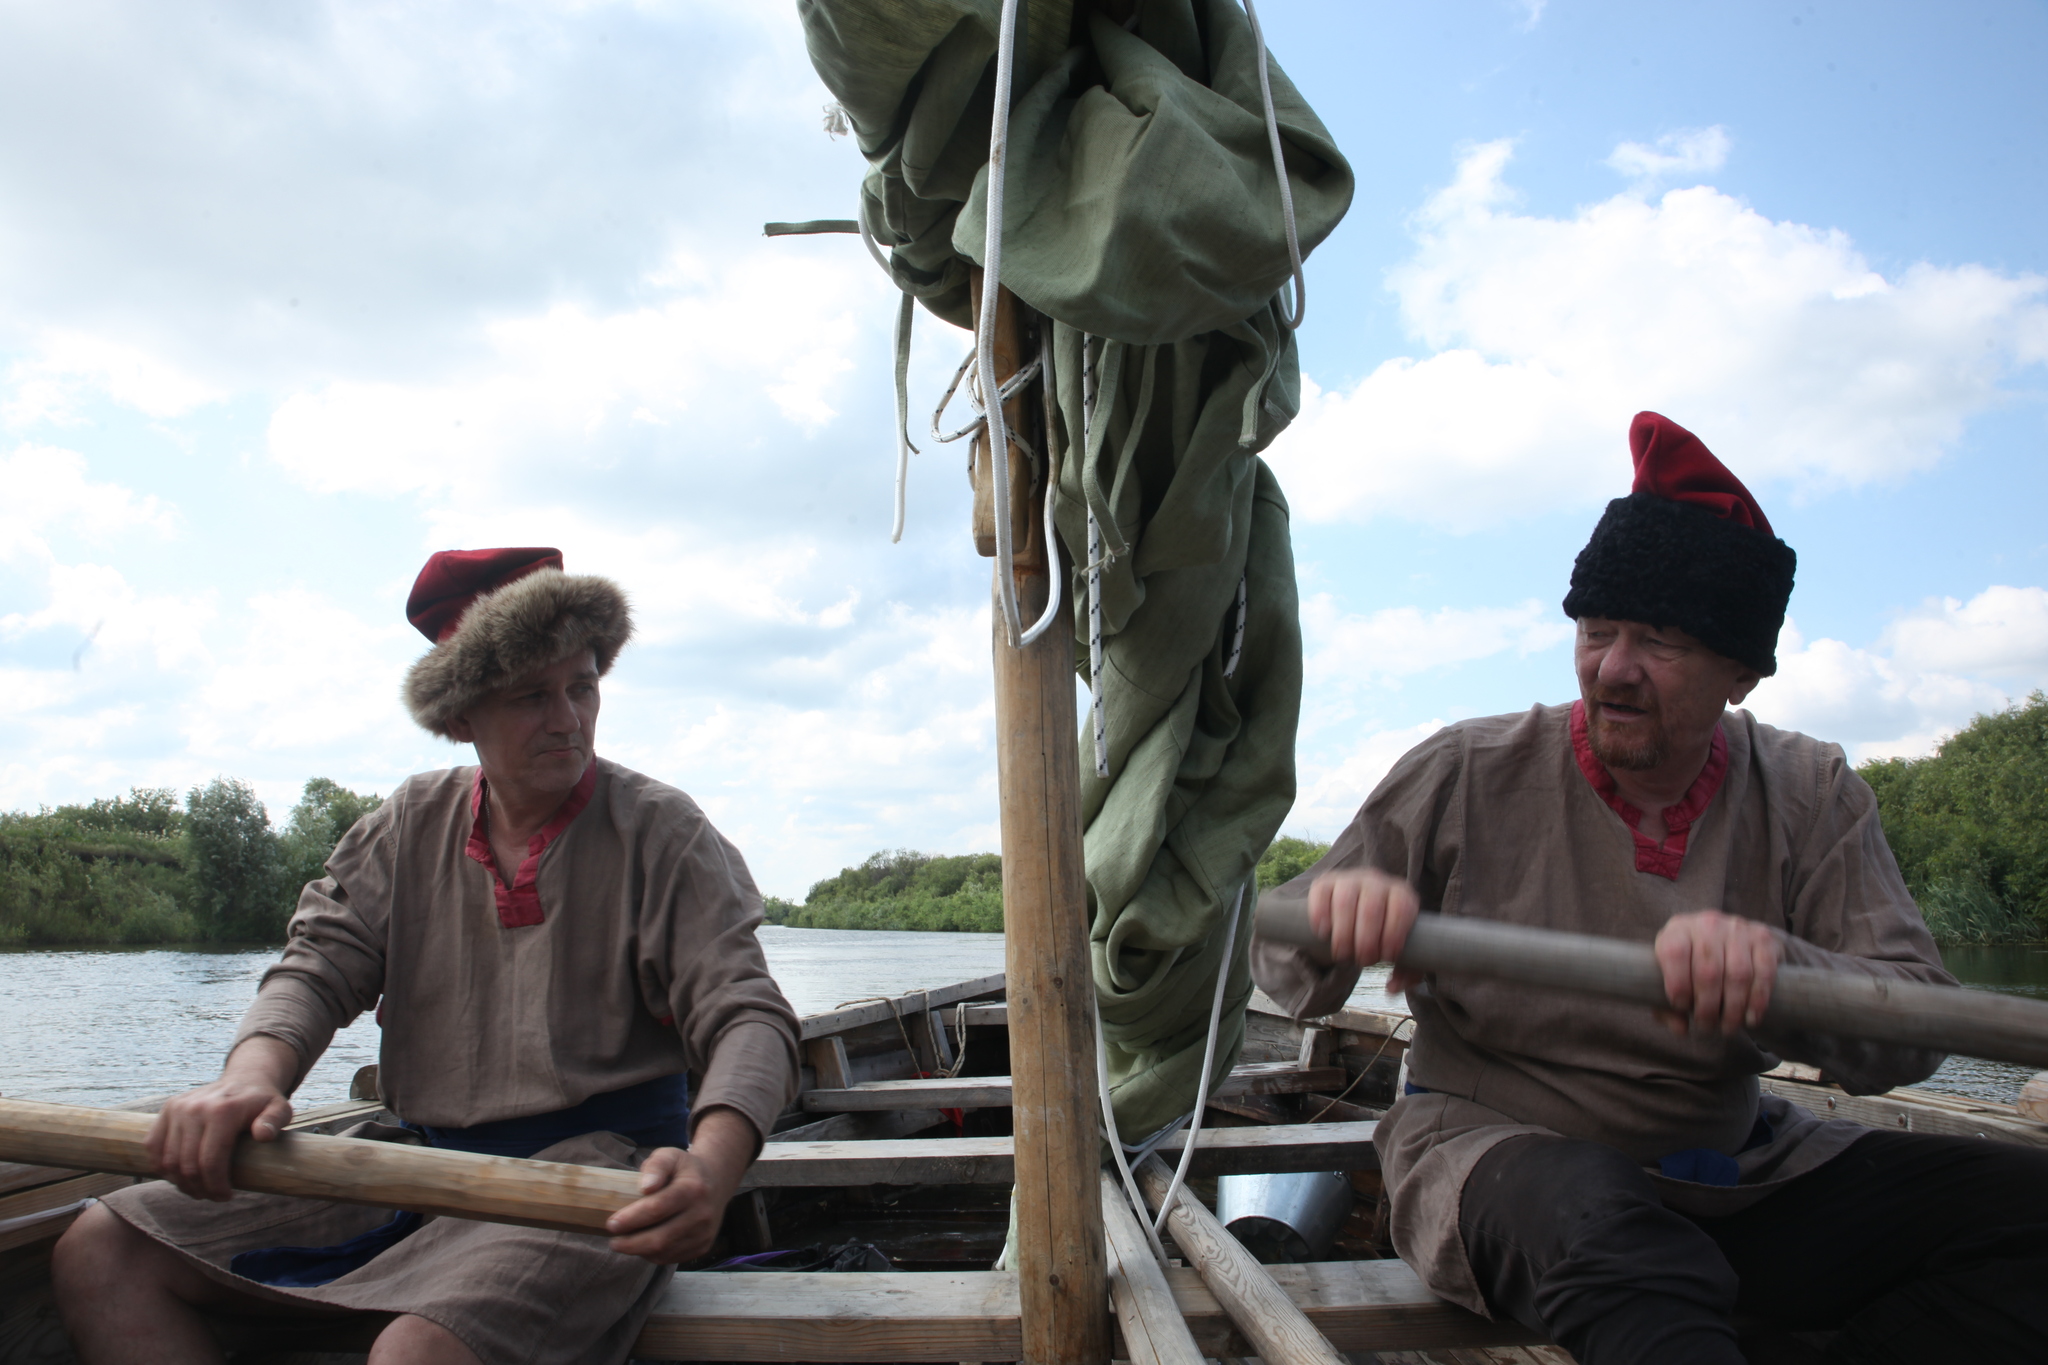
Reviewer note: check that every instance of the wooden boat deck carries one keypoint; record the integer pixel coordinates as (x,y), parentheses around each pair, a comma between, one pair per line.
(1304,1097)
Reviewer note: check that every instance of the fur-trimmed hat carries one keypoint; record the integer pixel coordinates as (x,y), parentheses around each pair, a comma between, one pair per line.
(1688,547)
(514,614)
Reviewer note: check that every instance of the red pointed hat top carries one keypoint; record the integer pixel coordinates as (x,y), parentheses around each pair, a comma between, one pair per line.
(453,579)
(1673,463)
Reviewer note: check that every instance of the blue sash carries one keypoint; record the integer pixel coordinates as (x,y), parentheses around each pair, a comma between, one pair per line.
(653,1113)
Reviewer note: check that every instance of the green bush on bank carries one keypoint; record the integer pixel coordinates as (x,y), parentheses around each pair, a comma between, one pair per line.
(1969,826)
(147,868)
(902,889)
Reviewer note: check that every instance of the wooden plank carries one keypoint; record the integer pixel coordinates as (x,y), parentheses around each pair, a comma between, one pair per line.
(927,1316)
(40,1214)
(1278,1331)
(394,1175)
(827,1057)
(988,1160)
(1356,1305)
(966,1092)
(1153,1331)
(854,1016)
(857,1316)
(1392,1021)
(1896,1113)
(982,1016)
(895,1123)
(909,1161)
(994,1092)
(1281,1078)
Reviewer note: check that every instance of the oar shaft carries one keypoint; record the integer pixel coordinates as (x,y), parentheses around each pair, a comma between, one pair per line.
(392,1175)
(2001,1028)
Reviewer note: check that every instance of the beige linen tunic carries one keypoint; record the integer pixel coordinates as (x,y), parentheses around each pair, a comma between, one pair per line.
(643,963)
(1494,819)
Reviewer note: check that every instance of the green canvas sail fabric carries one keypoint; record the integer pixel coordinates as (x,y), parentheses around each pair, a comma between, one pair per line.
(1143,221)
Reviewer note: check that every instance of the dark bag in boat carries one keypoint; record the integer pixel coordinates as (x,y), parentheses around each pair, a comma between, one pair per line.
(847,1256)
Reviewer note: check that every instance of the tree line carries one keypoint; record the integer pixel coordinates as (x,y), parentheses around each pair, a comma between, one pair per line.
(150,868)
(903,889)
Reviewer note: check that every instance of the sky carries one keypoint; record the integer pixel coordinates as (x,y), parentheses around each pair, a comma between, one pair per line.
(292,295)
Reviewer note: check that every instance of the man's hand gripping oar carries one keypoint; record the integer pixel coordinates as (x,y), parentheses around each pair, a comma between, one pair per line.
(1718,969)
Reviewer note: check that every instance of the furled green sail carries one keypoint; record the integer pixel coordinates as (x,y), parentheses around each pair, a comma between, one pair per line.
(1142,219)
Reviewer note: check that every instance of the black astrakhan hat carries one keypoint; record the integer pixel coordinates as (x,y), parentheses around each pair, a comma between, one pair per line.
(1688,547)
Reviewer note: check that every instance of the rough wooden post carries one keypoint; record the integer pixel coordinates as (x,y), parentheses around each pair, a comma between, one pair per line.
(1060,1262)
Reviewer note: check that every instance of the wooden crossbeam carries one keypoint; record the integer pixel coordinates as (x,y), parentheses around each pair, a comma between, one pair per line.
(902,1007)
(859,1317)
(993,1092)
(988,1160)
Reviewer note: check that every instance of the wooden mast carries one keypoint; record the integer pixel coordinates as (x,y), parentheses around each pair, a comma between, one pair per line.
(1060,1255)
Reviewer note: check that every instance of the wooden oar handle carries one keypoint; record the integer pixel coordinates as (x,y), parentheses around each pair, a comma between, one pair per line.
(391,1175)
(2001,1028)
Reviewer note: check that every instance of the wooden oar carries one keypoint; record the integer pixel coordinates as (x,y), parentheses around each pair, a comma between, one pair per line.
(2000,1028)
(391,1175)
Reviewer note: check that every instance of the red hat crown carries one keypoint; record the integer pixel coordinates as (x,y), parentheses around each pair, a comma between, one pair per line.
(1673,463)
(453,579)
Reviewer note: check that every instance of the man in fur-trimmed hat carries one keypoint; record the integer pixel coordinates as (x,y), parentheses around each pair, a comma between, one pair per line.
(1613,1179)
(556,941)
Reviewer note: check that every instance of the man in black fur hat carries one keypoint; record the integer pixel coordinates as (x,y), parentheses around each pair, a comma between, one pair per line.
(550,941)
(1617,1180)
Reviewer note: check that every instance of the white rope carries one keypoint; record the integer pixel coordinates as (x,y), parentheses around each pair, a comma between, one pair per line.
(1088,380)
(1280,173)
(985,341)
(1055,575)
(1187,1153)
(1116,1146)
(1008,391)
(905,316)
(1237,642)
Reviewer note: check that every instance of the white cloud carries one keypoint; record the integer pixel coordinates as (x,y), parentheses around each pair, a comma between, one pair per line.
(65,367)
(762,340)
(1687,152)
(1930,672)
(1532,13)
(1346,651)
(1776,342)
(2002,632)
(1330,793)
(49,493)
(307,675)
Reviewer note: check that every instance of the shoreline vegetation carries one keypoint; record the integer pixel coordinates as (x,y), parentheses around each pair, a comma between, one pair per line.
(1968,825)
(146,868)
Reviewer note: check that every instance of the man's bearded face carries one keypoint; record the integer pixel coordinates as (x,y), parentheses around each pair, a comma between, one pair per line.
(1634,746)
(1653,694)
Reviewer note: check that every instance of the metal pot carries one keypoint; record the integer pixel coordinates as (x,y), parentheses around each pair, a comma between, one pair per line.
(1286,1217)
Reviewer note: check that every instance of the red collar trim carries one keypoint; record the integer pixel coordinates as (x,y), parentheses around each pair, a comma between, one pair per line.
(1665,859)
(519,903)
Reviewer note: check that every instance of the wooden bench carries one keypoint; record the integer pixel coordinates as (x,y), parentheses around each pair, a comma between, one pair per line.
(1358,1305)
(993,1092)
(990,1160)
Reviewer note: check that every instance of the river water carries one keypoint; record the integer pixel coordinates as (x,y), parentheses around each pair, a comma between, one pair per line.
(100,1026)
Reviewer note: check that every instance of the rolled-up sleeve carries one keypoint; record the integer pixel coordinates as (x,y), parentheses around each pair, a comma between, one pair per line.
(1851,912)
(1396,831)
(739,1033)
(332,967)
